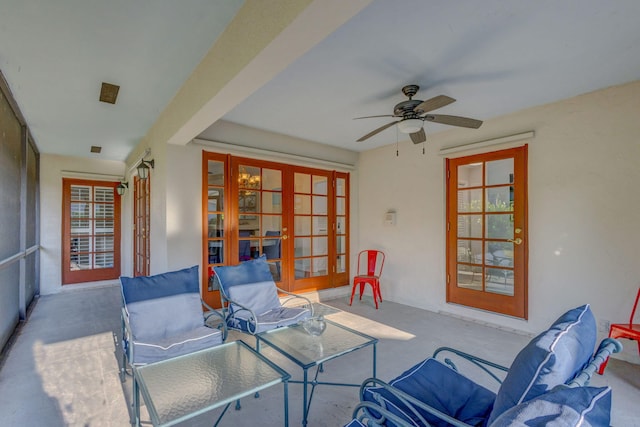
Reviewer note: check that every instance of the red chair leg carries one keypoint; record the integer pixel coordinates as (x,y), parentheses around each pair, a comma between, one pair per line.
(353,292)
(362,289)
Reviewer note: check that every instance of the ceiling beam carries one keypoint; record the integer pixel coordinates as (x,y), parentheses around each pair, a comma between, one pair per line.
(262,40)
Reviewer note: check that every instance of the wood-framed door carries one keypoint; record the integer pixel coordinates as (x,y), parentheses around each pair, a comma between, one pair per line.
(90,231)
(487,231)
(296,216)
(141,225)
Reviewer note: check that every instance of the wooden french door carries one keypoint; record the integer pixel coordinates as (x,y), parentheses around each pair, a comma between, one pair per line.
(141,223)
(296,216)
(487,231)
(90,231)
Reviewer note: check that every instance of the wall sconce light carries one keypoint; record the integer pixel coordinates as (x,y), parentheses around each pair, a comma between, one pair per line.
(143,168)
(121,188)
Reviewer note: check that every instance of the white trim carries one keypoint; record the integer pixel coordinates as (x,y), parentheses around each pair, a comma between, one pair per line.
(91,175)
(277,156)
(512,140)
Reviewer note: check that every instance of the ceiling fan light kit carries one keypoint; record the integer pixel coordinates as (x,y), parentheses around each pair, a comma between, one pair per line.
(413,112)
(410,125)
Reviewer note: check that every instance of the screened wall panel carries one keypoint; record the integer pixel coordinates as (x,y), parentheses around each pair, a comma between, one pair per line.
(19,223)
(10,161)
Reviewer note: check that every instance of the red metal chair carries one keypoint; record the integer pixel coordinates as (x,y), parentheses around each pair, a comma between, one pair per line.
(370,263)
(625,330)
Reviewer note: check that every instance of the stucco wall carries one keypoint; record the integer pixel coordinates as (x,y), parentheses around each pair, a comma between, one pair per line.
(583,210)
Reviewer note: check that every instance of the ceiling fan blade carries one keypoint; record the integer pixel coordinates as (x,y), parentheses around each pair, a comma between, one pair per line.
(371,117)
(433,104)
(418,137)
(444,119)
(374,132)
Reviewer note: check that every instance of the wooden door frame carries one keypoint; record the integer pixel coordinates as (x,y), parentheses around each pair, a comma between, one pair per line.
(516,305)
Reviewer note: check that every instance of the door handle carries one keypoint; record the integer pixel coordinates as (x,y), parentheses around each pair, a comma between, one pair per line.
(285,237)
(517,240)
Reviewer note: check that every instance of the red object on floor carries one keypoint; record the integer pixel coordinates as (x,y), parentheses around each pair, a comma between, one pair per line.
(625,330)
(370,263)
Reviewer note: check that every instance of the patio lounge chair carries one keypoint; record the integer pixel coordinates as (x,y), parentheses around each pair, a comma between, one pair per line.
(250,301)
(162,317)
(546,384)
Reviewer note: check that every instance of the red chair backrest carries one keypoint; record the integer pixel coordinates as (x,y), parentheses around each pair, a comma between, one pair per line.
(633,312)
(374,262)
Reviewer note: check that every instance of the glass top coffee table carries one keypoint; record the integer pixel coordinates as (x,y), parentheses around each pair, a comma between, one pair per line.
(308,351)
(184,387)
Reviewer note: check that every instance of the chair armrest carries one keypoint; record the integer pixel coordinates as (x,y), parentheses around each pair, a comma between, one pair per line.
(212,312)
(484,365)
(127,336)
(364,409)
(292,297)
(607,347)
(252,315)
(409,401)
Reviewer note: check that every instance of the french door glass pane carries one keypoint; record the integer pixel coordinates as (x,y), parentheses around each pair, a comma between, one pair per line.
(271,180)
(302,225)
(215,173)
(499,172)
(470,200)
(319,205)
(302,246)
(470,175)
(470,226)
(302,205)
(320,246)
(499,199)
(319,184)
(302,183)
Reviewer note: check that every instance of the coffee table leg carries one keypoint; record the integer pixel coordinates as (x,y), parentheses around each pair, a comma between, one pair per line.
(305,409)
(286,404)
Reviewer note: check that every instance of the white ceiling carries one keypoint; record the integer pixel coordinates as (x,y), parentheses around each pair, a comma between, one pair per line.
(493,56)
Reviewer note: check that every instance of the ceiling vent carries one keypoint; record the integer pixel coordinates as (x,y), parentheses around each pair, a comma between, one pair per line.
(96,149)
(109,93)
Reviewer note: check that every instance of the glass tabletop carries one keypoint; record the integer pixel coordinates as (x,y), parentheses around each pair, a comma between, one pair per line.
(186,386)
(308,350)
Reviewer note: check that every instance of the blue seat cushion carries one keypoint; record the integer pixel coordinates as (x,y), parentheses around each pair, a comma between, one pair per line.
(354,423)
(440,387)
(275,318)
(561,407)
(155,350)
(550,359)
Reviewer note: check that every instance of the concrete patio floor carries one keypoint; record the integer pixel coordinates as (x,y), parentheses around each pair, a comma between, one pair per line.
(62,368)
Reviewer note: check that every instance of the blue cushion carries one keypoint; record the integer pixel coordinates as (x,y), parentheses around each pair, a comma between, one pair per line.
(355,423)
(550,359)
(155,350)
(255,270)
(164,318)
(440,387)
(140,288)
(259,297)
(561,407)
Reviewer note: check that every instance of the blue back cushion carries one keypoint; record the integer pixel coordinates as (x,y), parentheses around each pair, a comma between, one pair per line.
(550,359)
(253,271)
(563,406)
(142,288)
(163,306)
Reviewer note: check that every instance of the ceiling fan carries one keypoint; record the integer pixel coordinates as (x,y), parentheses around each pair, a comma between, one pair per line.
(413,113)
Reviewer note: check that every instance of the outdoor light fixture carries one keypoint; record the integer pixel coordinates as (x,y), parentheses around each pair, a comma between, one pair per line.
(143,168)
(410,125)
(121,188)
